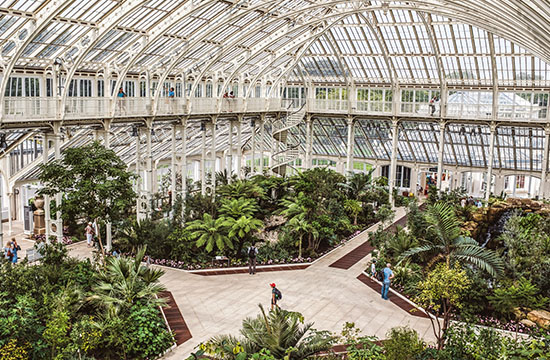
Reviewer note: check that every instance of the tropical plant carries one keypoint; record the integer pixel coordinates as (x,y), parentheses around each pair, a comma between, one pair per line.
(450,246)
(441,292)
(357,184)
(279,331)
(300,227)
(210,233)
(235,208)
(403,343)
(242,230)
(521,294)
(95,182)
(241,188)
(125,281)
(353,207)
(400,243)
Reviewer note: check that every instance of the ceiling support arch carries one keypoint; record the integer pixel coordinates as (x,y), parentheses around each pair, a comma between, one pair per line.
(33,27)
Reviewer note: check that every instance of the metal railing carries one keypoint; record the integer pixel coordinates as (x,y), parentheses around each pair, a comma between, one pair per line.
(26,109)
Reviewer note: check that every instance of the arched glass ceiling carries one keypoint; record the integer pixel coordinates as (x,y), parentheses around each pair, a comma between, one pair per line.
(427,42)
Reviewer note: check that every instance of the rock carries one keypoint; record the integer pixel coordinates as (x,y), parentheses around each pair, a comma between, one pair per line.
(540,317)
(519,314)
(528,323)
(478,217)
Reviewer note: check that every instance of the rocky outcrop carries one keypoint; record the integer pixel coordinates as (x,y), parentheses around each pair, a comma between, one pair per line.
(489,215)
(540,317)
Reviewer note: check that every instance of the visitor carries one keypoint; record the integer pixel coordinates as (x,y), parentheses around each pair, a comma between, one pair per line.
(373,269)
(463,202)
(170,102)
(7,251)
(275,296)
(252,252)
(388,275)
(89,234)
(171,93)
(432,105)
(121,103)
(14,249)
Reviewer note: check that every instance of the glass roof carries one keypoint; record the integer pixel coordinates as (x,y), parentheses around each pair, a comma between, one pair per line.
(407,42)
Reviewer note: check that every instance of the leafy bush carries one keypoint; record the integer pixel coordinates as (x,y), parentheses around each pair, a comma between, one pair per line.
(521,294)
(403,344)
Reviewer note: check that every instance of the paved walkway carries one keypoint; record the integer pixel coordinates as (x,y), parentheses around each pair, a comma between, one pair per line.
(327,296)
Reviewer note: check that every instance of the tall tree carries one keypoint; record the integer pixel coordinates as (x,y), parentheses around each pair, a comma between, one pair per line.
(242,230)
(94,181)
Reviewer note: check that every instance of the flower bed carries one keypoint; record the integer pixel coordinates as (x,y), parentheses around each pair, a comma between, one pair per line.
(67,240)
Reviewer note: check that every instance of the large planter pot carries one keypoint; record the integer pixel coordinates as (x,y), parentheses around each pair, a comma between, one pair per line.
(39,203)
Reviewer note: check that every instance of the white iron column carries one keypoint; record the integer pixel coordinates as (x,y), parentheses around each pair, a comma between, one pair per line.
(138,174)
(440,155)
(149,183)
(493,128)
(47,215)
(203,159)
(351,140)
(239,149)
(173,169)
(262,143)
(393,165)
(229,159)
(108,227)
(543,177)
(183,167)
(253,134)
(58,196)
(273,146)
(309,142)
(213,157)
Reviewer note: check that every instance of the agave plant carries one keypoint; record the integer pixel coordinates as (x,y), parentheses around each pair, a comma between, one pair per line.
(450,246)
(280,332)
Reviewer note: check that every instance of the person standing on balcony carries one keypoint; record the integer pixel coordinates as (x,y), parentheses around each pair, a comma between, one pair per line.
(121,103)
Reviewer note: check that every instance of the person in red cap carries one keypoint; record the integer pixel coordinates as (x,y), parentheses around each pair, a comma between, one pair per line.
(275,295)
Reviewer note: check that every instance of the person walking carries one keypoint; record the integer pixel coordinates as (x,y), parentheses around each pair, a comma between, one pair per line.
(14,249)
(373,269)
(387,276)
(7,251)
(89,234)
(252,253)
(275,296)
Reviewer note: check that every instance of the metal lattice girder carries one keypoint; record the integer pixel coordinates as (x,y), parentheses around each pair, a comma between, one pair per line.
(30,30)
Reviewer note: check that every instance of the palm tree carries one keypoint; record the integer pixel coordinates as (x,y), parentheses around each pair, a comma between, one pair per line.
(126,281)
(358,184)
(280,331)
(354,208)
(451,246)
(210,233)
(241,188)
(299,226)
(242,229)
(235,208)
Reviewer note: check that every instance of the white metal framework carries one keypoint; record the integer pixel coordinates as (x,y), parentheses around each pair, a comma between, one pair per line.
(454,85)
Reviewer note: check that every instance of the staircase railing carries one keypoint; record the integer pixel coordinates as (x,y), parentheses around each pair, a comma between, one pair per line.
(286,152)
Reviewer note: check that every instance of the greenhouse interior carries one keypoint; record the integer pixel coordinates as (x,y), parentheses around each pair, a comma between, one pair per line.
(258,179)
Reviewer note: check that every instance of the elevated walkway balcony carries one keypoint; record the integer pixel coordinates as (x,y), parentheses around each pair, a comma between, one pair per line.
(25,110)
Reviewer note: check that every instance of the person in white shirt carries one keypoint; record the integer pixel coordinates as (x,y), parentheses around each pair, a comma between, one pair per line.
(373,269)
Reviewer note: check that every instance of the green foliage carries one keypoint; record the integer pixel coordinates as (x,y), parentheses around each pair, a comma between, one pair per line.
(279,331)
(403,344)
(442,292)
(56,332)
(527,249)
(242,230)
(385,214)
(361,347)
(521,294)
(467,342)
(210,233)
(146,332)
(450,246)
(125,282)
(95,183)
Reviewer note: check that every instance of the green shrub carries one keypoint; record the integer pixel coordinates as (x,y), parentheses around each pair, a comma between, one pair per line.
(521,294)
(403,343)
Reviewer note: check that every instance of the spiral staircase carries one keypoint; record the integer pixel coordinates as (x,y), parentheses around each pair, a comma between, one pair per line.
(287,151)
